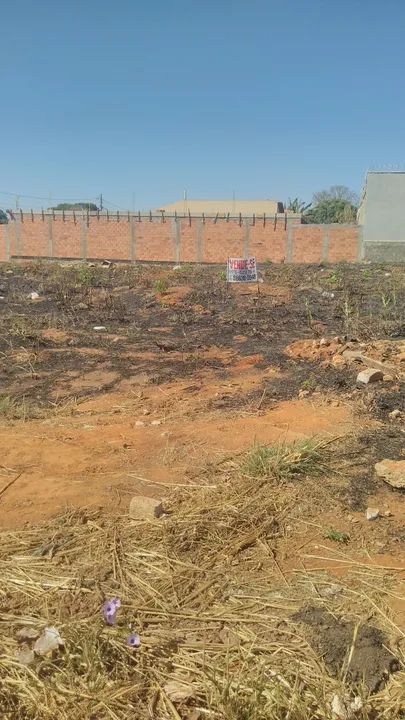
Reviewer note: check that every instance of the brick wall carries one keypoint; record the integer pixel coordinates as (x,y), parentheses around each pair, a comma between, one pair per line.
(129,238)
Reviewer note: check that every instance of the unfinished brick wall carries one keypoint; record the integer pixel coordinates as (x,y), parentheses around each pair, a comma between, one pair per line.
(130,238)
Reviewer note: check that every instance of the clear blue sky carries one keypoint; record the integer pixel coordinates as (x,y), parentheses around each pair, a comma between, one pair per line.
(142,100)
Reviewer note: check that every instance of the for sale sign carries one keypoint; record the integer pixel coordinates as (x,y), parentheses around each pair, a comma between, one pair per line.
(241,270)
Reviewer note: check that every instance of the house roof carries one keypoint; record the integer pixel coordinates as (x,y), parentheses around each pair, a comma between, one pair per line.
(223,207)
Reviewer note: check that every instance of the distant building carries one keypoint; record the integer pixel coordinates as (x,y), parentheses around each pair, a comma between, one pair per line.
(223,208)
(382,217)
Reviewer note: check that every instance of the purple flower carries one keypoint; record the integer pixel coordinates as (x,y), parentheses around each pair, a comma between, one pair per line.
(110,608)
(134,640)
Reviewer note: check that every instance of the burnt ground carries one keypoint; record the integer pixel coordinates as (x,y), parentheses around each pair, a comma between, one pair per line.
(370,663)
(186,338)
(143,314)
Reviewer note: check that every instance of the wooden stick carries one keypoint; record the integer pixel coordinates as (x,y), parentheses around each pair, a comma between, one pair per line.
(11,482)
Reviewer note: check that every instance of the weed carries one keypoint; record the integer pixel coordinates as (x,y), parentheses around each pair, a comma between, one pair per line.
(337,536)
(222,276)
(285,461)
(161,285)
(89,275)
(309,384)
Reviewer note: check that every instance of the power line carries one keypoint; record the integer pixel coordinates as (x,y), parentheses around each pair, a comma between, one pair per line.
(37,197)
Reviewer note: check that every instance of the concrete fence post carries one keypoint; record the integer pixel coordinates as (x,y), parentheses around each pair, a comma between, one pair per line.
(199,240)
(50,236)
(325,243)
(132,232)
(18,237)
(290,243)
(176,234)
(83,238)
(246,234)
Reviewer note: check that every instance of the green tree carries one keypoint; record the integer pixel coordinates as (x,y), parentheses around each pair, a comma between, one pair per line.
(76,206)
(336,205)
(296,205)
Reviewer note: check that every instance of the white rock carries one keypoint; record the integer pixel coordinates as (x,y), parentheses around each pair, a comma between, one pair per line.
(142,507)
(395,414)
(99,328)
(324,341)
(372,513)
(156,423)
(369,375)
(34,296)
(139,423)
(177,267)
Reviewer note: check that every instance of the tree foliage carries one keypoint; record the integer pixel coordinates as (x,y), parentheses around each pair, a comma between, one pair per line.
(336,205)
(76,206)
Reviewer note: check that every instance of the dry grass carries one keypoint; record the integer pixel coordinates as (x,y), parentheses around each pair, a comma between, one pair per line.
(203,588)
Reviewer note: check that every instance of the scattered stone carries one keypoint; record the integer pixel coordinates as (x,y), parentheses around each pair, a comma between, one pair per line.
(177,267)
(369,376)
(330,590)
(99,328)
(338,340)
(142,507)
(324,342)
(2,298)
(395,414)
(9,272)
(27,633)
(335,403)
(156,423)
(146,411)
(82,306)
(387,513)
(372,513)
(139,423)
(34,296)
(327,294)
(392,472)
(344,709)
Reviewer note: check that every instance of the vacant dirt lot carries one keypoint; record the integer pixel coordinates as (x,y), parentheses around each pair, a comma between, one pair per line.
(118,381)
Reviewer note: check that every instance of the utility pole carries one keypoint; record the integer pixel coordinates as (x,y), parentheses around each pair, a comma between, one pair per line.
(101,201)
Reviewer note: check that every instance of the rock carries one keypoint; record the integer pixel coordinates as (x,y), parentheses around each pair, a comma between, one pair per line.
(392,472)
(142,507)
(139,423)
(34,296)
(387,513)
(2,298)
(146,411)
(324,342)
(372,513)
(327,294)
(338,340)
(395,414)
(369,376)
(156,423)
(177,267)
(82,306)
(99,328)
